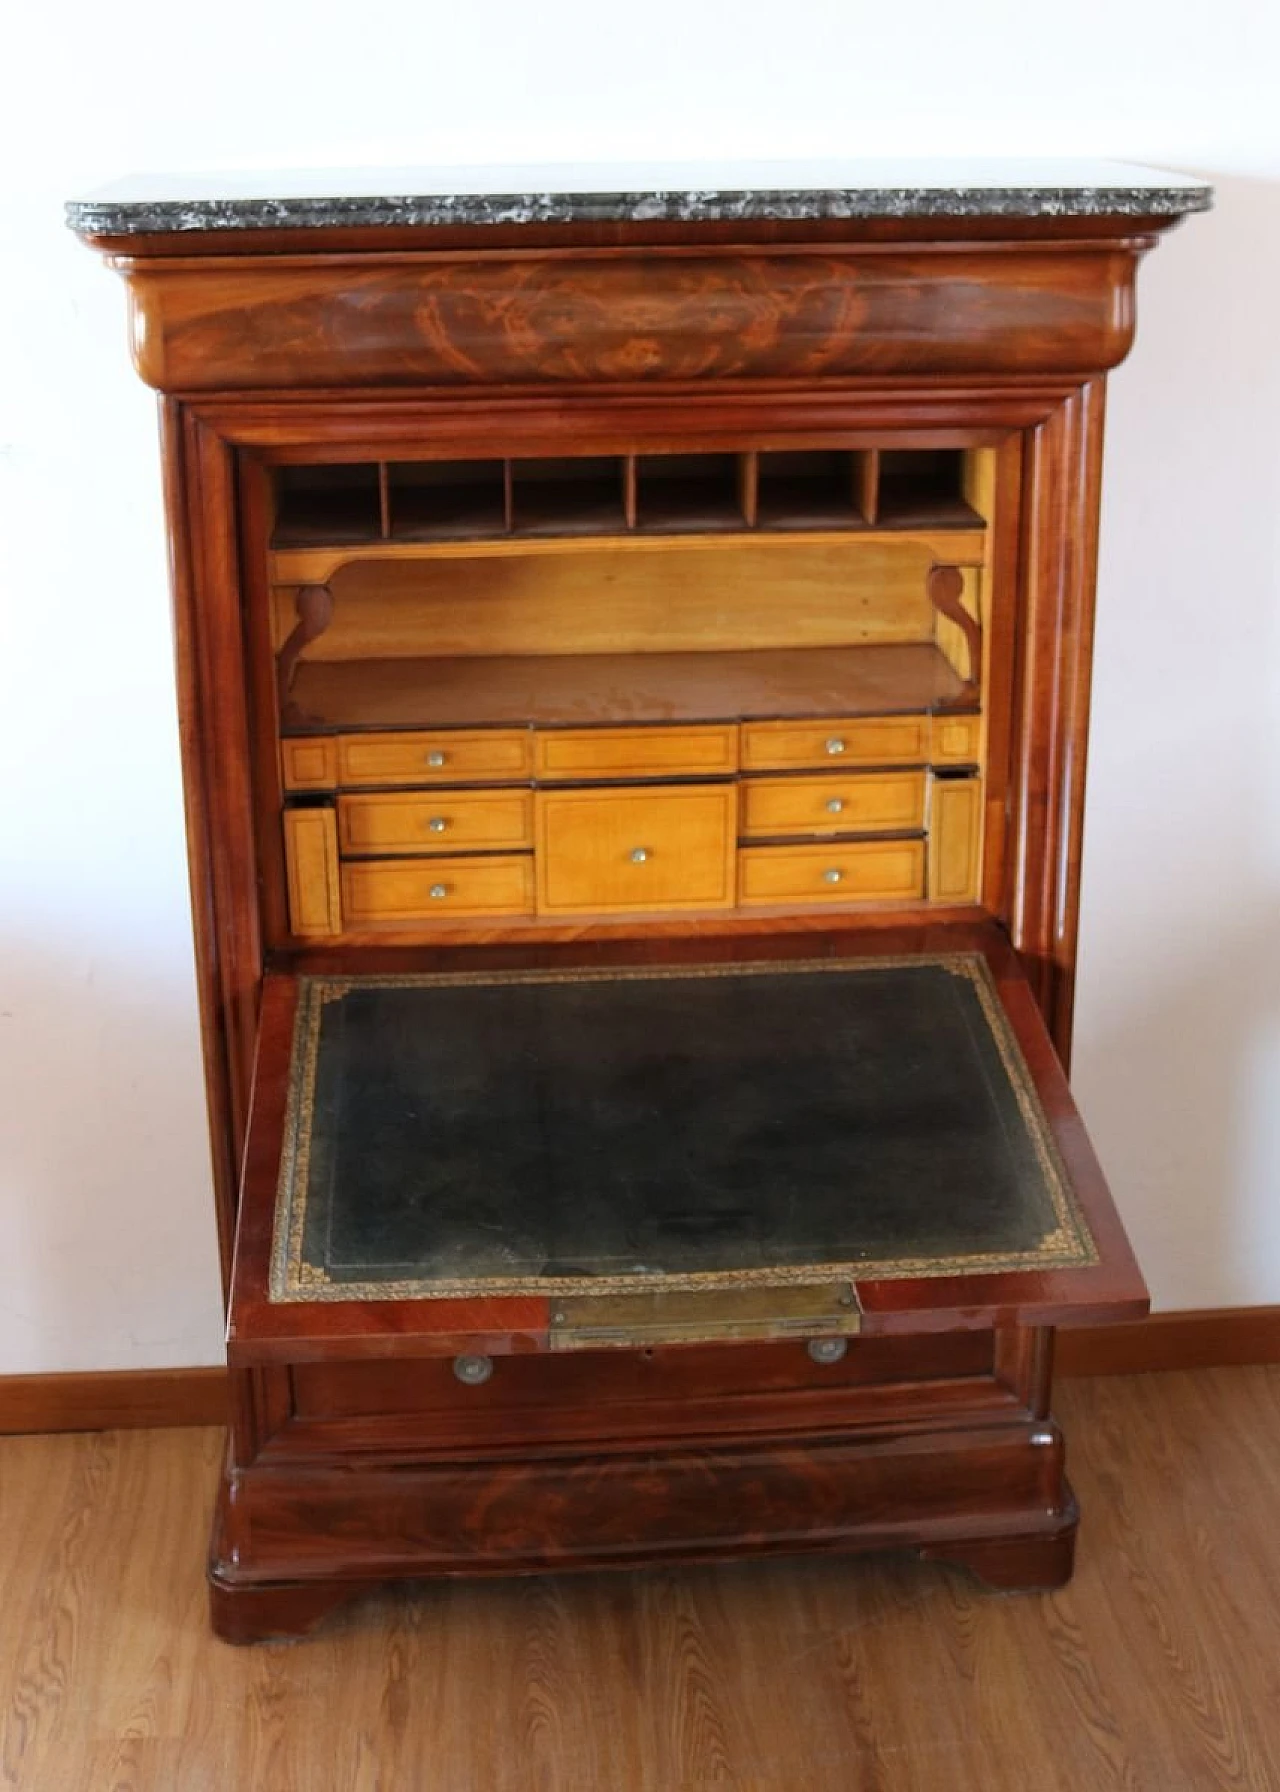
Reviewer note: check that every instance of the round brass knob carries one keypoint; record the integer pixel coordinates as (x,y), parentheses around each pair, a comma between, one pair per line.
(835,805)
(473,1371)
(437,824)
(833,876)
(639,855)
(438,892)
(435,759)
(827,1350)
(835,746)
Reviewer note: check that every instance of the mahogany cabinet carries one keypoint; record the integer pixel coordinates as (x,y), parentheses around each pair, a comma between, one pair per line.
(634,654)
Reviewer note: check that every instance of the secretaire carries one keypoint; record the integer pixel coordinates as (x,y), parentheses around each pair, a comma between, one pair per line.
(633,635)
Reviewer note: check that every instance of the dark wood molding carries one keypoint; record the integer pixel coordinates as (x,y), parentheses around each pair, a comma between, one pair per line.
(111,1399)
(1219,1337)
(652,315)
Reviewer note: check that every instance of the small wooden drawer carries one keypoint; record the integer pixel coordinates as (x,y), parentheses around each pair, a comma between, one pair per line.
(450,821)
(604,851)
(449,756)
(867,871)
(310,764)
(389,890)
(869,801)
(956,740)
(865,740)
(580,753)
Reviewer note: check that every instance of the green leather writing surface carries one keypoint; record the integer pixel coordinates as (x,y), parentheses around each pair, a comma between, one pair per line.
(677,1127)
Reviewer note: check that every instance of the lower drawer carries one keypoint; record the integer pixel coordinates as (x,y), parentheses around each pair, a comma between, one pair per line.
(388,890)
(866,871)
(614,1393)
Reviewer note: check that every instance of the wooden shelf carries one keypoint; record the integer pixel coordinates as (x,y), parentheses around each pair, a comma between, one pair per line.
(953,544)
(603,689)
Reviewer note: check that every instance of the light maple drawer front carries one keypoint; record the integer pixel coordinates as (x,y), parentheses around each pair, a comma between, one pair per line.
(870,800)
(576,753)
(869,871)
(957,740)
(602,851)
(310,764)
(875,740)
(449,821)
(459,756)
(391,890)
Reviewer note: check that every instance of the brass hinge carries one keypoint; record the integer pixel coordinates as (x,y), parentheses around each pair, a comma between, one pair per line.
(712,1315)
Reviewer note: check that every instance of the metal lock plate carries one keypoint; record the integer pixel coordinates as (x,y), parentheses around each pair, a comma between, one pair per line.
(706,1316)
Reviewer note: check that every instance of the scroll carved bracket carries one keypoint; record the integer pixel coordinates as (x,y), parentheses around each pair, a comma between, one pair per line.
(314,607)
(945,588)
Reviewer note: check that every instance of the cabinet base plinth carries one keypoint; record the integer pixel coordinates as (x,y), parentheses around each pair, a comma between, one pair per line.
(1019,1564)
(293,1542)
(276,1611)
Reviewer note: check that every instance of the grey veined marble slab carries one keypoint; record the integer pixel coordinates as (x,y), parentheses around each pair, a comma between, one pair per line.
(694,192)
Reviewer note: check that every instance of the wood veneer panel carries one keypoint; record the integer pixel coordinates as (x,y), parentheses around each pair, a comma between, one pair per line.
(625,600)
(389,892)
(435,822)
(832,804)
(611,753)
(836,871)
(955,839)
(515,318)
(649,848)
(311,858)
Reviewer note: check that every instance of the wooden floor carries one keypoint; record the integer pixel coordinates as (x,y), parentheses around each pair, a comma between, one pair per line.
(1159,1667)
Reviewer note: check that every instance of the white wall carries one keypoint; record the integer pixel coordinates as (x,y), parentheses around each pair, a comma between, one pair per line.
(106,1239)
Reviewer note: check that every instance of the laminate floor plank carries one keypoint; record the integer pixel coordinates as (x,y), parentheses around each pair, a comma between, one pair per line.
(1156,1670)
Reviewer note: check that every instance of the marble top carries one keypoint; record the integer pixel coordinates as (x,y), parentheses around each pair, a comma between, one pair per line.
(692,192)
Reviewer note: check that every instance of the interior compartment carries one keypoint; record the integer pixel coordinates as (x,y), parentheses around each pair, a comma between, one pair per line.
(827,489)
(442,500)
(575,495)
(679,493)
(924,487)
(327,504)
(817,490)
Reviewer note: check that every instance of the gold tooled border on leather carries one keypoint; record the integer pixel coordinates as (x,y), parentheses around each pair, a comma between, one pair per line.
(1067,1244)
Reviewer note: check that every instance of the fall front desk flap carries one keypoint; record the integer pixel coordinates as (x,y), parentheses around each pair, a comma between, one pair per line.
(602,1156)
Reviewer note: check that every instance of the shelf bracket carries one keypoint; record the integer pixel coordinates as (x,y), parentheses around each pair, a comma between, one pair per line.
(945,588)
(314,607)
